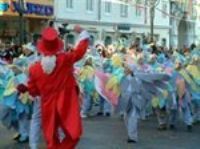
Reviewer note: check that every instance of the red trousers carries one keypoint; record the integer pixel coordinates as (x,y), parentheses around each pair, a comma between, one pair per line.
(67,143)
(51,134)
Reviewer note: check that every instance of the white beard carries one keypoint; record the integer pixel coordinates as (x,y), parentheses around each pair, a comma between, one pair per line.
(48,64)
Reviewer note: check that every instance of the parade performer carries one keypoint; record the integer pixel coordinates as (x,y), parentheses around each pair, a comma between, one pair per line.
(108,84)
(113,83)
(183,98)
(136,88)
(194,71)
(159,103)
(29,57)
(86,77)
(52,79)
(141,66)
(105,106)
(130,92)
(17,107)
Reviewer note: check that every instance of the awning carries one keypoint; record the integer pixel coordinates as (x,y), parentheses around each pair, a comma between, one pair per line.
(31,8)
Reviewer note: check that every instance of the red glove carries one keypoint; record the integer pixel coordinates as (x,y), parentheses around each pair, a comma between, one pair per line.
(22,88)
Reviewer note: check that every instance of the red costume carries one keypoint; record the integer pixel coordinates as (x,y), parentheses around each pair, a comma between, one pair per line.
(58,91)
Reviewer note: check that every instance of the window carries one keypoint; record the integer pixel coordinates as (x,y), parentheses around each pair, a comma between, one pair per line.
(108,41)
(124,10)
(70,39)
(89,5)
(92,39)
(164,42)
(138,9)
(108,7)
(69,4)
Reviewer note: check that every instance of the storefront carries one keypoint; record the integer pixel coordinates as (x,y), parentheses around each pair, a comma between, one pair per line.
(36,13)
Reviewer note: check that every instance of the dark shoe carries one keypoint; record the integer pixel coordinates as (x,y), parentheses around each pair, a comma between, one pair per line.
(131,141)
(189,128)
(96,104)
(196,122)
(23,140)
(99,113)
(16,137)
(162,127)
(172,127)
(107,114)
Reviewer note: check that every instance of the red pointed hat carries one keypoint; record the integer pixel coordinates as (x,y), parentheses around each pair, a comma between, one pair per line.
(50,43)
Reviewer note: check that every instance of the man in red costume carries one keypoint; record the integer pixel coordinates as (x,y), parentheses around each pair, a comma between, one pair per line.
(52,79)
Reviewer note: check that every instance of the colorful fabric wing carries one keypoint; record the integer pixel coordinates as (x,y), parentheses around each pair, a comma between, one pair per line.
(116,60)
(10,88)
(21,78)
(86,73)
(2,89)
(189,80)
(155,101)
(86,77)
(113,85)
(24,98)
(153,85)
(194,71)
(101,80)
(10,100)
(181,88)
(151,77)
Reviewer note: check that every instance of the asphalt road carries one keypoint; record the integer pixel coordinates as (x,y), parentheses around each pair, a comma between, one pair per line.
(110,133)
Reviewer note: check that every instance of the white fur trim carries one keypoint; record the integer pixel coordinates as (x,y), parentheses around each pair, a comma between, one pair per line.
(48,64)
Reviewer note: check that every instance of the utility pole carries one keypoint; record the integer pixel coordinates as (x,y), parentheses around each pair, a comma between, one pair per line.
(152,4)
(21,10)
(99,19)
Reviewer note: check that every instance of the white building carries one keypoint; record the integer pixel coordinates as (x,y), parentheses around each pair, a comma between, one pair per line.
(185,24)
(197,29)
(108,20)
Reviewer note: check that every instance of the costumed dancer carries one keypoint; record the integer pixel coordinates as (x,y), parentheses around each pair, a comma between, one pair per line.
(183,98)
(194,72)
(130,96)
(86,77)
(29,58)
(159,102)
(141,66)
(105,106)
(113,83)
(108,84)
(35,122)
(18,105)
(52,79)
(136,89)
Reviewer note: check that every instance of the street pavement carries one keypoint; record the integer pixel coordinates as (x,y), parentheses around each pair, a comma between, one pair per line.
(110,133)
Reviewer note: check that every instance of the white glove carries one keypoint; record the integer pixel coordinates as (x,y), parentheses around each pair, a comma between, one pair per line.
(84,35)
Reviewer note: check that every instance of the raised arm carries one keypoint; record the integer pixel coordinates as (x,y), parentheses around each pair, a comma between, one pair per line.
(82,45)
(80,50)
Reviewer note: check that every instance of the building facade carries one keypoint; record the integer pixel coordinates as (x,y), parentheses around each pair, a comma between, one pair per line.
(35,14)
(184,24)
(109,20)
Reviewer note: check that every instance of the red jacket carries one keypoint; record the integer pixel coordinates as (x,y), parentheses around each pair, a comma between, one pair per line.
(58,92)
